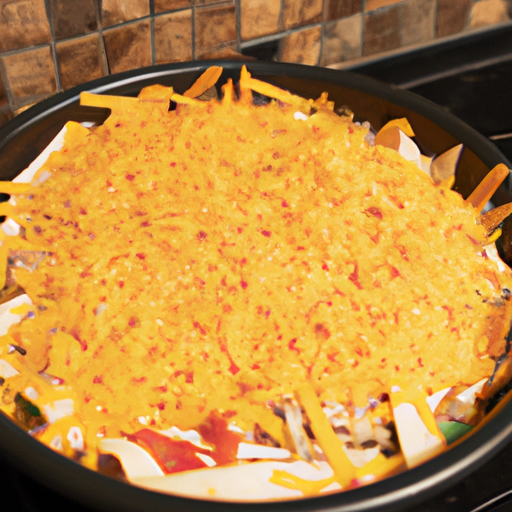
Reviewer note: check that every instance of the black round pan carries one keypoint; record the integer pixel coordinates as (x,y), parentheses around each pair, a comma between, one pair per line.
(22,139)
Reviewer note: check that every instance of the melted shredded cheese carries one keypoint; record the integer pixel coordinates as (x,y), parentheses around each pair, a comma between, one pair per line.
(220,255)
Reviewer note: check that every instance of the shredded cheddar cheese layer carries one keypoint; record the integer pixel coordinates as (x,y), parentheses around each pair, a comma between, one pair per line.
(220,255)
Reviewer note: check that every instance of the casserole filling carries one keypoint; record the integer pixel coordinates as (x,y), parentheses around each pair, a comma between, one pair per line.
(230,281)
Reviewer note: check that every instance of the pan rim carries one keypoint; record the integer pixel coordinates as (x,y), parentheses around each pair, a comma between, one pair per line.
(403,489)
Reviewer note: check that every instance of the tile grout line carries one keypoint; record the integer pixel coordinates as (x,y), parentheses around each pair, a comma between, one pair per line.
(193,30)
(281,28)
(322,33)
(7,87)
(274,37)
(436,14)
(53,45)
(238,24)
(400,25)
(105,66)
(361,34)
(152,30)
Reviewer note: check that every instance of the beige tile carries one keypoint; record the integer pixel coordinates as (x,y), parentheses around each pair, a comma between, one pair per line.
(301,13)
(381,31)
(302,47)
(128,46)
(259,18)
(173,37)
(23,23)
(371,5)
(171,5)
(30,76)
(452,17)
(215,27)
(73,18)
(79,60)
(342,40)
(489,12)
(418,21)
(336,9)
(114,12)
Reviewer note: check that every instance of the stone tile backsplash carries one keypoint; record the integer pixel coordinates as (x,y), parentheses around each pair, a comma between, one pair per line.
(47,46)
(72,18)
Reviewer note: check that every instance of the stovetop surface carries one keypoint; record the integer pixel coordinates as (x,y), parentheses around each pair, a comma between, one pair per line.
(472,79)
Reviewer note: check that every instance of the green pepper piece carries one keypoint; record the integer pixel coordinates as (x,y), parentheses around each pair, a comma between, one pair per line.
(453,430)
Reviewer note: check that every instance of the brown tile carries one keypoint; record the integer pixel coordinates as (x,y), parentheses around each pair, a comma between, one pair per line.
(73,18)
(215,26)
(173,37)
(452,17)
(114,12)
(418,21)
(23,23)
(302,47)
(259,18)
(30,76)
(342,40)
(381,31)
(334,9)
(171,5)
(371,5)
(301,13)
(128,47)
(205,2)
(226,51)
(79,60)
(489,12)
